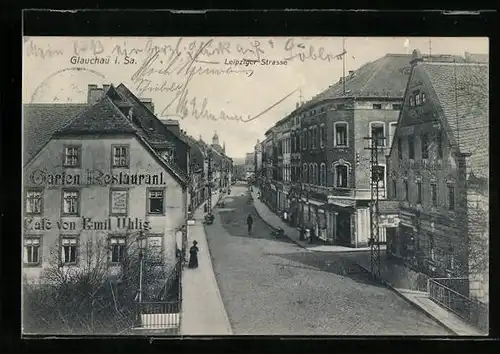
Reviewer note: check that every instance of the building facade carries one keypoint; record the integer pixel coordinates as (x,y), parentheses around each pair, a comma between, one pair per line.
(120,174)
(438,171)
(331,174)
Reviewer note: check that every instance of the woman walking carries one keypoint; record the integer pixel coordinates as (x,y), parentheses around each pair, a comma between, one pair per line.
(193,256)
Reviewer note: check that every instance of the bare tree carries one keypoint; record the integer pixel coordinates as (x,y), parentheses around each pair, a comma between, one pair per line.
(93,296)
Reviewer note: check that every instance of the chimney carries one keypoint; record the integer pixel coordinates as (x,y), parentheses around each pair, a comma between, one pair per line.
(351,72)
(105,87)
(94,94)
(172,125)
(148,103)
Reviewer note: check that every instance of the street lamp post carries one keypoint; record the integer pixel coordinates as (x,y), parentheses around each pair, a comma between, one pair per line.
(141,240)
(142,245)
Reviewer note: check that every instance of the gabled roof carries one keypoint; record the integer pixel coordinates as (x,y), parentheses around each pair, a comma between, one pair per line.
(107,115)
(384,77)
(41,121)
(102,117)
(155,130)
(463,94)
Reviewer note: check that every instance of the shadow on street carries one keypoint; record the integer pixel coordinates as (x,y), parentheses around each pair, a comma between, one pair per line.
(333,263)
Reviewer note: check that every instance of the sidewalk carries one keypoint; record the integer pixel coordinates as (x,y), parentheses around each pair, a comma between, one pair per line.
(203,312)
(409,285)
(293,234)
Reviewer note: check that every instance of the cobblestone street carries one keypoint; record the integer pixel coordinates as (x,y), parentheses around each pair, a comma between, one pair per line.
(271,286)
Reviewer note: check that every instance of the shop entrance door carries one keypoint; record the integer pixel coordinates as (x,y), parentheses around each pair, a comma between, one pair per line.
(343,228)
(390,233)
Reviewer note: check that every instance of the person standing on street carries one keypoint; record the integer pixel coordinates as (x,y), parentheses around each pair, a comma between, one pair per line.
(193,256)
(249,223)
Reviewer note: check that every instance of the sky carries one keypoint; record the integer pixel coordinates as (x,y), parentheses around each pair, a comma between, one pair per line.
(213,84)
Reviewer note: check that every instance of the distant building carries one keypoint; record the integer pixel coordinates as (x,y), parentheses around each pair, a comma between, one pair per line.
(258,158)
(249,165)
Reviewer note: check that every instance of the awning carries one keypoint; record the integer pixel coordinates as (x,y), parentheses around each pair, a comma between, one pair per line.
(341,202)
(313,202)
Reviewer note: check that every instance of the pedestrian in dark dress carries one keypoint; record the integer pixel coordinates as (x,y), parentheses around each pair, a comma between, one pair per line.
(249,223)
(193,256)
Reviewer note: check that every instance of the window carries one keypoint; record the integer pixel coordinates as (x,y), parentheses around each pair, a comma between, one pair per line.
(411,147)
(156,201)
(305,139)
(434,194)
(69,250)
(341,176)
(394,189)
(304,173)
(120,156)
(310,139)
(322,135)
(417,99)
(407,191)
(32,250)
(439,144)
(396,107)
(400,149)
(340,137)
(377,106)
(34,201)
(71,202)
(117,247)
(378,133)
(322,178)
(451,197)
(378,175)
(311,173)
(316,174)
(118,201)
(412,101)
(419,192)
(423,97)
(424,140)
(72,156)
(392,131)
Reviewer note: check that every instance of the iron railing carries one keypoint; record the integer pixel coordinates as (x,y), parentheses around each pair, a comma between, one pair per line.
(472,311)
(158,315)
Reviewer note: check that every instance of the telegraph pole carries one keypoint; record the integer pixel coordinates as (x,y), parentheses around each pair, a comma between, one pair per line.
(374,207)
(343,65)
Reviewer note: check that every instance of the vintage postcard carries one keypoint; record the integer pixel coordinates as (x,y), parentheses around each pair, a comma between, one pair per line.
(255,186)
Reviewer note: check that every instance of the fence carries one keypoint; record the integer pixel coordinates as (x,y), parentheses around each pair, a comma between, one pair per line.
(158,315)
(474,312)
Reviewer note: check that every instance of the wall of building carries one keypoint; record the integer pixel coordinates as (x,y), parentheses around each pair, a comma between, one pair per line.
(95,199)
(334,154)
(365,114)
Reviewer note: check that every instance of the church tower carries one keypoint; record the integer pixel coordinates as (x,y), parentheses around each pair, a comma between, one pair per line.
(215,139)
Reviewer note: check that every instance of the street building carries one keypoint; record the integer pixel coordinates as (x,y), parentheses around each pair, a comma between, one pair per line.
(332,174)
(438,171)
(107,170)
(257,158)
